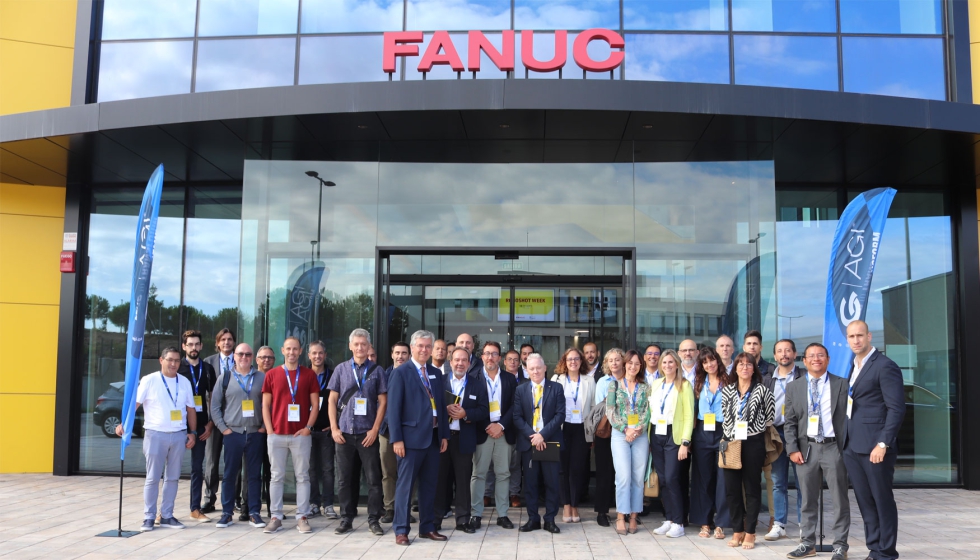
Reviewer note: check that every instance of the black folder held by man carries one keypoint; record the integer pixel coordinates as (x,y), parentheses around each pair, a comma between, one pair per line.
(551,452)
(451,398)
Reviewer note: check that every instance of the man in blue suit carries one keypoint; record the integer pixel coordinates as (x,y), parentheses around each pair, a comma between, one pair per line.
(419,432)
(875,409)
(539,411)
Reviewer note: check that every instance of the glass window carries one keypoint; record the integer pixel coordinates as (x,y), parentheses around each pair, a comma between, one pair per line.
(677,58)
(679,15)
(566,14)
(148,19)
(361,60)
(346,16)
(244,63)
(786,61)
(131,70)
(247,17)
(784,15)
(458,15)
(891,16)
(895,66)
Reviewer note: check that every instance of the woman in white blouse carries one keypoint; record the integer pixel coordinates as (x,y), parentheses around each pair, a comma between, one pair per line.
(579,396)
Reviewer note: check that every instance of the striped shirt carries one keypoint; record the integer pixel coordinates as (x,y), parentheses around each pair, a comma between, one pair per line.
(759,411)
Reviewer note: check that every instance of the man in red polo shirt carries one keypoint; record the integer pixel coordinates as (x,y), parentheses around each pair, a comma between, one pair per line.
(287,395)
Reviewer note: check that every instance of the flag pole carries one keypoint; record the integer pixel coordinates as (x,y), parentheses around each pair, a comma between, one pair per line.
(118,532)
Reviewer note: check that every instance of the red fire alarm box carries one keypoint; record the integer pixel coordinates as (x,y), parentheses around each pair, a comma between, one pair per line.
(68,261)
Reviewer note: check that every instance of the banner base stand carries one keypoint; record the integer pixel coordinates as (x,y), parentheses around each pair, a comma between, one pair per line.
(824,548)
(119,534)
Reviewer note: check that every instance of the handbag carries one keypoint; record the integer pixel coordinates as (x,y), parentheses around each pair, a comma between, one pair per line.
(604,429)
(651,488)
(730,454)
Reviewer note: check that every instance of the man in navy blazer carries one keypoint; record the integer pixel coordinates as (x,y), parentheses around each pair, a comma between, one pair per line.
(465,341)
(419,432)
(551,408)
(875,409)
(466,421)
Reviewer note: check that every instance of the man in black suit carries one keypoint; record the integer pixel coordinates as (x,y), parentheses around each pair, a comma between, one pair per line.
(539,412)
(816,414)
(220,362)
(419,432)
(875,409)
(466,342)
(466,420)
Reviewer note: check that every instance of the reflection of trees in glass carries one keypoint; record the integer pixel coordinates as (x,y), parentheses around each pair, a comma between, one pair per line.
(97,308)
(336,318)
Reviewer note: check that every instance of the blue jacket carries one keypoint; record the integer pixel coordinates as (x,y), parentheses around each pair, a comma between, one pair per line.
(409,412)
(552,413)
(508,385)
(475,403)
(879,405)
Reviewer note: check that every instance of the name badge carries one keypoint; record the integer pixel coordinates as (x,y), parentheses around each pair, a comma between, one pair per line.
(661,429)
(577,416)
(709,422)
(360,407)
(176,418)
(198,403)
(293,413)
(741,429)
(494,406)
(814,425)
(248,408)
(850,403)
(432,377)
(782,410)
(321,403)
(433,401)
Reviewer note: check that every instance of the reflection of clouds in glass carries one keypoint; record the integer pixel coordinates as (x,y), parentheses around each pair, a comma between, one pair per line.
(319,63)
(784,15)
(247,17)
(458,15)
(148,19)
(677,58)
(212,264)
(345,16)
(903,67)
(782,61)
(680,15)
(132,70)
(566,14)
(244,63)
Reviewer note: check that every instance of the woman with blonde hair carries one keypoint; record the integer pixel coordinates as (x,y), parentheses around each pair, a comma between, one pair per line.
(605,490)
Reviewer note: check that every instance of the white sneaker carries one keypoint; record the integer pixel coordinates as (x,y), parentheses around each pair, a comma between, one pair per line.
(662,530)
(675,531)
(777,533)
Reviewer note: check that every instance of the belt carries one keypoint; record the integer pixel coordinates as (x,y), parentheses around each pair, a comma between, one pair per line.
(825,440)
(454,432)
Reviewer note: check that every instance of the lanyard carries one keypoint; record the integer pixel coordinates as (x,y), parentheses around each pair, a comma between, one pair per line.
(743,403)
(663,401)
(492,385)
(463,388)
(322,379)
(713,398)
(635,389)
(292,390)
(196,376)
(359,381)
(815,400)
(251,380)
(579,384)
(176,393)
(425,381)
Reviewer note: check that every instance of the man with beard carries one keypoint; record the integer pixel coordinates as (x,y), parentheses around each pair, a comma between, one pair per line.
(777,481)
(591,352)
(202,378)
(322,453)
(389,464)
(220,362)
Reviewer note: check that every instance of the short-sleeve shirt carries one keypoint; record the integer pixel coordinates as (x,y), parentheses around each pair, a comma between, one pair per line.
(343,379)
(276,385)
(157,402)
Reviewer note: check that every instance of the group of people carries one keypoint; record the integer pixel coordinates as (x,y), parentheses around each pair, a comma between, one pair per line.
(450,430)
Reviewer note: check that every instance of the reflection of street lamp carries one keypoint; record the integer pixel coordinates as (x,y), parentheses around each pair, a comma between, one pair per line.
(319,210)
(313,245)
(755,241)
(790,317)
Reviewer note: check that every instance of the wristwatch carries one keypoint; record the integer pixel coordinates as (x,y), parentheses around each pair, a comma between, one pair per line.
(686,443)
(192,432)
(882,445)
(310,428)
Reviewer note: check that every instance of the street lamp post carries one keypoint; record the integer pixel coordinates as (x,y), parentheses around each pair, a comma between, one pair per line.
(790,317)
(319,211)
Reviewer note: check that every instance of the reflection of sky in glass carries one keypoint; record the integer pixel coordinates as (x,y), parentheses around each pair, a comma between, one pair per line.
(247,17)
(784,15)
(895,66)
(795,62)
(131,70)
(679,15)
(566,14)
(212,264)
(458,15)
(891,16)
(677,58)
(338,16)
(318,63)
(148,19)
(244,63)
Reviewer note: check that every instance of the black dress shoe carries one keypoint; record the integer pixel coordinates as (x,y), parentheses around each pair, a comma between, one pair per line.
(207,508)
(243,516)
(411,519)
(602,519)
(475,522)
(551,527)
(504,522)
(344,527)
(466,528)
(389,517)
(376,528)
(530,526)
(433,536)
(415,508)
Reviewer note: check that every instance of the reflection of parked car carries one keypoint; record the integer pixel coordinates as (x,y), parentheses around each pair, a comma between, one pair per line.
(108,411)
(930,407)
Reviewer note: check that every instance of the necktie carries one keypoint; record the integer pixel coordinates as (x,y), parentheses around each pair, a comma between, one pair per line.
(537,406)
(228,363)
(816,405)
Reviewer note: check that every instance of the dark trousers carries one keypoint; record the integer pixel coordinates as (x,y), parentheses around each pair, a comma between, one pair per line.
(197,472)
(457,467)
(574,480)
(252,447)
(212,458)
(352,459)
(605,475)
(423,465)
(322,469)
(549,470)
(709,503)
(872,483)
(684,477)
(266,476)
(664,453)
(746,482)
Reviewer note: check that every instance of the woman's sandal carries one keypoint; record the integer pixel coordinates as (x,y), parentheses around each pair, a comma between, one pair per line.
(705,532)
(632,528)
(736,540)
(719,533)
(748,542)
(623,530)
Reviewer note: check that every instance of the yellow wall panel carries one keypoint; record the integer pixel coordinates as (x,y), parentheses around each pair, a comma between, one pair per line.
(974,10)
(48,22)
(26,450)
(31,200)
(30,251)
(19,324)
(34,77)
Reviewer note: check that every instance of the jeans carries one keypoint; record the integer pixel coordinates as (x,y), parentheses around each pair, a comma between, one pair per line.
(251,446)
(630,459)
(780,486)
(322,469)
(197,472)
(164,452)
(299,448)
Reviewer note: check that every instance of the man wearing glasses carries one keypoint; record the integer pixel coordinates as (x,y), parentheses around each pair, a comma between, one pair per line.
(265,359)
(651,357)
(688,351)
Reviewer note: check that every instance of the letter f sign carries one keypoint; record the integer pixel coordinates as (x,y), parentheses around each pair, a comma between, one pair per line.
(394,46)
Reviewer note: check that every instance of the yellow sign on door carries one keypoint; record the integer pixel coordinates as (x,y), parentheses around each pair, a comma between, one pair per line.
(529,305)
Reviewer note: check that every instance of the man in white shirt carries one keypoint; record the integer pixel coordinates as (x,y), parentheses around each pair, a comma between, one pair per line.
(592,366)
(725,347)
(168,411)
(688,351)
(651,357)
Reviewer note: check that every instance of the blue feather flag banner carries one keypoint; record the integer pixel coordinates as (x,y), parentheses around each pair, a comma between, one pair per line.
(852,263)
(146,228)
